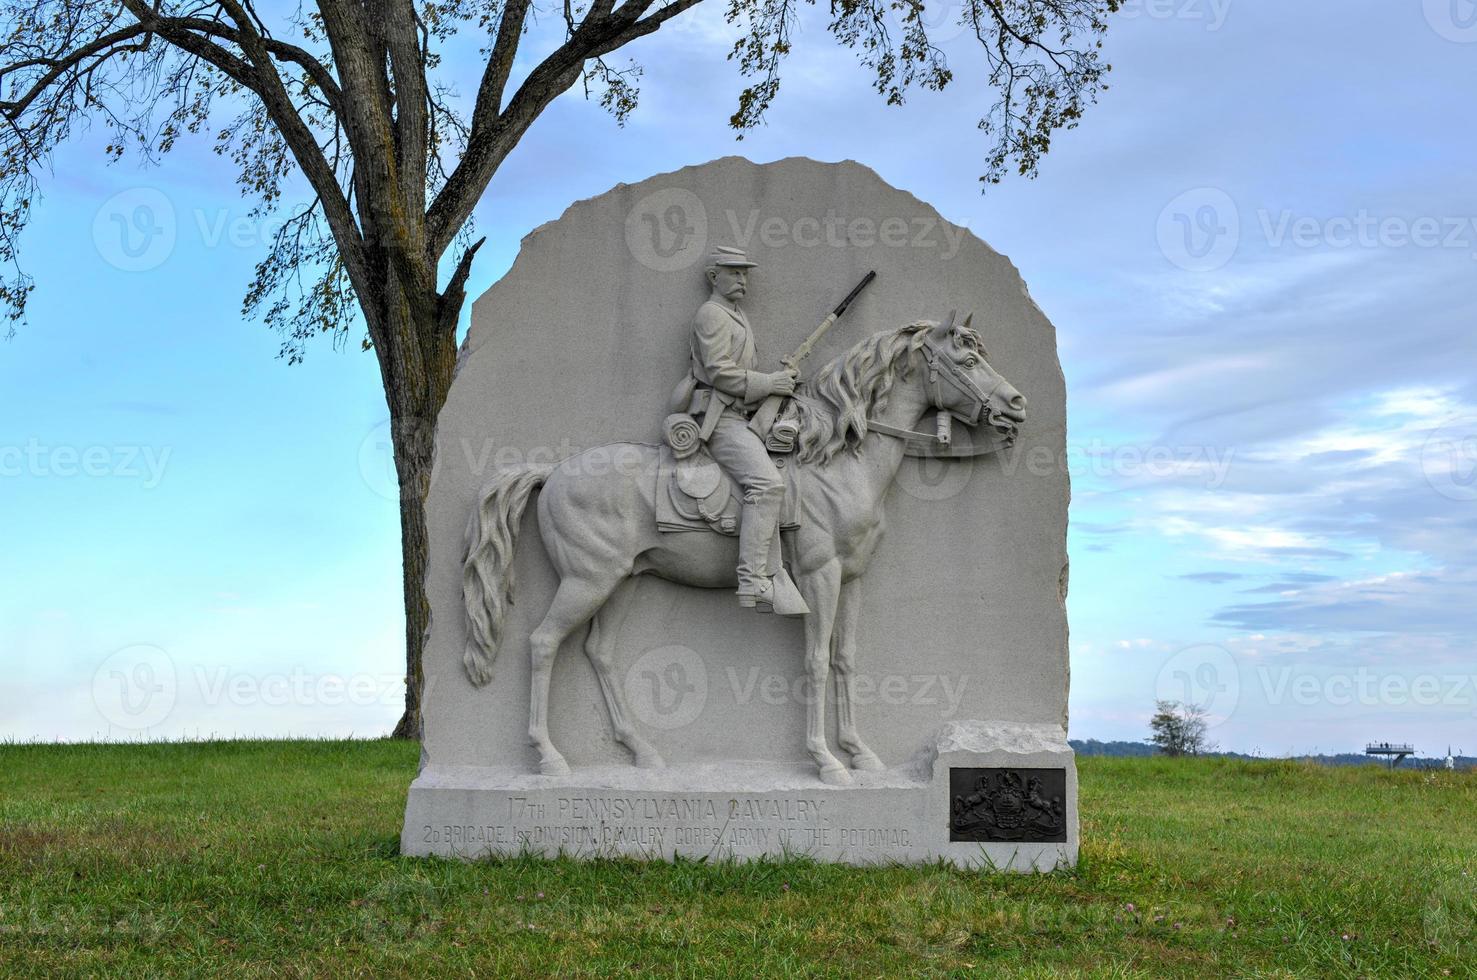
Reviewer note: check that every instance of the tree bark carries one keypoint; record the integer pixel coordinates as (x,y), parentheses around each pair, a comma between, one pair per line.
(413,439)
(421,334)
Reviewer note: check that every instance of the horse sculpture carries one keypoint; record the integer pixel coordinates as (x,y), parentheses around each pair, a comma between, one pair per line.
(600,530)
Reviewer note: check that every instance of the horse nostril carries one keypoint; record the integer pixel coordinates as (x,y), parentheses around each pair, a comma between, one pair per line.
(1018,402)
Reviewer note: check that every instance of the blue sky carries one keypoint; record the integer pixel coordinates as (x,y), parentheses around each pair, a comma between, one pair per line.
(1260,253)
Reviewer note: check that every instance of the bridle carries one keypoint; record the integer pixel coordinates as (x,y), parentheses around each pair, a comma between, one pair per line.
(943,370)
(941,367)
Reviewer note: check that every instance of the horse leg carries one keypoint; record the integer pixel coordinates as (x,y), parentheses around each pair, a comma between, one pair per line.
(821,590)
(600,647)
(843,663)
(574,603)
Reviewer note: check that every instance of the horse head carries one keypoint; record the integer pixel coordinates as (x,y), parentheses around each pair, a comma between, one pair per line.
(962,383)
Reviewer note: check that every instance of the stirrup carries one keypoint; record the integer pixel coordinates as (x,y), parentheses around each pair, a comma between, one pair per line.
(761,600)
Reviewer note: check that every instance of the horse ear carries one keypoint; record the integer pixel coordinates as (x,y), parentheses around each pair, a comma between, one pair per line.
(946,329)
(967,320)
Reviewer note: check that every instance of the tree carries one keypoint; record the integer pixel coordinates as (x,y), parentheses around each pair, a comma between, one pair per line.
(1179,729)
(344,98)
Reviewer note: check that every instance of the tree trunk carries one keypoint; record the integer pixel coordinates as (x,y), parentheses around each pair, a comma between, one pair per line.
(417,369)
(414,438)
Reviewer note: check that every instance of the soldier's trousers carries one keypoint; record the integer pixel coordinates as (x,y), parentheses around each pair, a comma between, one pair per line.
(742,455)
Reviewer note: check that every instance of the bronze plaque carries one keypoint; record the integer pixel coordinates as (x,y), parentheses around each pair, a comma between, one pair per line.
(1024,805)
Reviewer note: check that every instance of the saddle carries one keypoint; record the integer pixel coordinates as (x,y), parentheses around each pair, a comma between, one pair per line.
(694,494)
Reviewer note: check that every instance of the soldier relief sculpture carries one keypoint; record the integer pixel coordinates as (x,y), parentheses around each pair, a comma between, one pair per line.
(766,484)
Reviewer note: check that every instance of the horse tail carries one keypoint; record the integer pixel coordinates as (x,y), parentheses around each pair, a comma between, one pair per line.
(487,572)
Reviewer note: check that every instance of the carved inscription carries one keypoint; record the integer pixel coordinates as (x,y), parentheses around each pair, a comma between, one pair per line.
(666,824)
(1026,805)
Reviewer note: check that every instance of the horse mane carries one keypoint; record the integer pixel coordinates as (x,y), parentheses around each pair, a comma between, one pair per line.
(833,406)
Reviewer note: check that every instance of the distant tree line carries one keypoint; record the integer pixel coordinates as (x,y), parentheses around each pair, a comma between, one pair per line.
(1125,749)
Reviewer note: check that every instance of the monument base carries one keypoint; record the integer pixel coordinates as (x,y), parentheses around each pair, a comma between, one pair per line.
(997,795)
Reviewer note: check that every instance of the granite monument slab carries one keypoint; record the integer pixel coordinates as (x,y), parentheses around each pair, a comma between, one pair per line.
(748,532)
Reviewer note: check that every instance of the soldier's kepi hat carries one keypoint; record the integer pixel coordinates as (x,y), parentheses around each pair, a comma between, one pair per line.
(725,255)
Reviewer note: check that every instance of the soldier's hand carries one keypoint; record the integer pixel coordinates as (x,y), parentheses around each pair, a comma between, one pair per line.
(783,382)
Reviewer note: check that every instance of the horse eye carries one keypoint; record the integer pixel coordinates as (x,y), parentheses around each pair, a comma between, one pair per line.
(971,361)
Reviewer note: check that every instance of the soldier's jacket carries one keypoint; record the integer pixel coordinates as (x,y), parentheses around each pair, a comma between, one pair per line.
(722,366)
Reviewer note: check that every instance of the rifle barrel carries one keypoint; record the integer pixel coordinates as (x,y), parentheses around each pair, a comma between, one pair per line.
(866,280)
(803,351)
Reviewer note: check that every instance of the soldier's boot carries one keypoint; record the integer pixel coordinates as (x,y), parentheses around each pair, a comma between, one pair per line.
(756,535)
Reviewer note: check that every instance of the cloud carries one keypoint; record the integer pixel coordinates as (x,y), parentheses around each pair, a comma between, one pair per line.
(1436,603)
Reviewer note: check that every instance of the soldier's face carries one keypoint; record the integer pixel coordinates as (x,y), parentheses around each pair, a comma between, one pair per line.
(730,282)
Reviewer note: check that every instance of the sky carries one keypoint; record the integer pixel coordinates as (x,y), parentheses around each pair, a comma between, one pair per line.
(1259,251)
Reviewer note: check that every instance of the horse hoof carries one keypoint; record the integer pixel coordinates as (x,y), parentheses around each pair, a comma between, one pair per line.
(555,766)
(866,759)
(835,775)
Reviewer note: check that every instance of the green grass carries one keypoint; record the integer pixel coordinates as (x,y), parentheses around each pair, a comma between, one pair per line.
(281,858)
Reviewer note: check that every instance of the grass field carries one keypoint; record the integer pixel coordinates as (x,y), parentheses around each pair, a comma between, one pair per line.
(280,858)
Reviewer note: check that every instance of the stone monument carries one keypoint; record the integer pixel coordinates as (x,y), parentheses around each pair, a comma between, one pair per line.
(748,538)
